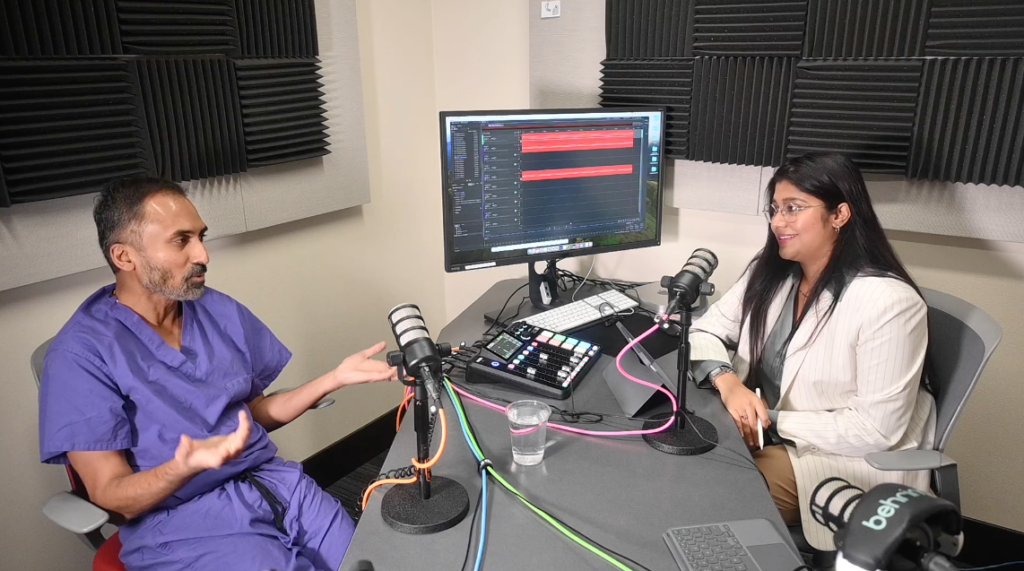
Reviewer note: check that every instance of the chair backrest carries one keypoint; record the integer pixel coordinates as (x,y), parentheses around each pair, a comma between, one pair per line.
(961,338)
(37,360)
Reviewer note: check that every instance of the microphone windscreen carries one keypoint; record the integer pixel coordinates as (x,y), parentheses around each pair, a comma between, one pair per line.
(832,501)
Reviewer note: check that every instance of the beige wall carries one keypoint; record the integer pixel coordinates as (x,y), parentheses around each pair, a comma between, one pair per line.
(481,61)
(324,285)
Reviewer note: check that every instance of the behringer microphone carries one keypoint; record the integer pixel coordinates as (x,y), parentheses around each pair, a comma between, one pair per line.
(891,526)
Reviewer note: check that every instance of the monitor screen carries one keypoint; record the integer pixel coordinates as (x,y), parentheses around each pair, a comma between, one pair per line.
(522,186)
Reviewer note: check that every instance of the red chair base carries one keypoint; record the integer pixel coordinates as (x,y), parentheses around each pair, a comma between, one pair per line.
(108,556)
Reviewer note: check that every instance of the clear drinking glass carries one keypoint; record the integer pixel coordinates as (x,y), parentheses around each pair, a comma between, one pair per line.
(528,422)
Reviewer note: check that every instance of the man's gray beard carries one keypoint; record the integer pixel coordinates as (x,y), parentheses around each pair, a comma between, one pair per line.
(157,280)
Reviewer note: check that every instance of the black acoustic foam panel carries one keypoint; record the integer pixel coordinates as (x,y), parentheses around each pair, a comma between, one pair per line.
(976,28)
(863,108)
(749,28)
(277,28)
(178,27)
(865,28)
(67,127)
(643,83)
(282,110)
(649,28)
(193,114)
(740,110)
(95,89)
(34,28)
(970,122)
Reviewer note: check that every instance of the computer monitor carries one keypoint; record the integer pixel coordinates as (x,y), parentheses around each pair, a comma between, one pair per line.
(535,185)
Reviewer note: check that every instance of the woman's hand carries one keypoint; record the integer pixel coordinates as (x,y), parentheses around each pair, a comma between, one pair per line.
(743,405)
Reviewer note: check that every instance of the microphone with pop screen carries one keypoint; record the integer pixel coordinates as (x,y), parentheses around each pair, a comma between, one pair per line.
(419,356)
(890,527)
(437,503)
(691,435)
(692,280)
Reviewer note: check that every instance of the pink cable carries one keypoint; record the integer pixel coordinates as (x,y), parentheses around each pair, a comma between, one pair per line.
(618,364)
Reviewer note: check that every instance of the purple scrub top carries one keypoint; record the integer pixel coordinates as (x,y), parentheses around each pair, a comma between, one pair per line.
(110,382)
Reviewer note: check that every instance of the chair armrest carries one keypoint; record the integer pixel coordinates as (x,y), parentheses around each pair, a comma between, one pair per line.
(74,514)
(908,460)
(322,403)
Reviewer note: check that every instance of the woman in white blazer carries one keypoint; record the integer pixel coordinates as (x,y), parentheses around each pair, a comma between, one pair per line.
(827,322)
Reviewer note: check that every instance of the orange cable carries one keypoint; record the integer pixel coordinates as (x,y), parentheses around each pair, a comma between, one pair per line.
(398,420)
(440,448)
(366,496)
(415,462)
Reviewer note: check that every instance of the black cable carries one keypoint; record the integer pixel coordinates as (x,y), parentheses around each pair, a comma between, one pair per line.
(472,526)
(497,317)
(567,415)
(722,446)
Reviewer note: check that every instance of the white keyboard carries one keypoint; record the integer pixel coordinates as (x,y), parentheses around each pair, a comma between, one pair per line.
(578,313)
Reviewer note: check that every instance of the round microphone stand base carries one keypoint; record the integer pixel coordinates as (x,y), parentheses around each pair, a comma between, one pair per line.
(405,510)
(697,436)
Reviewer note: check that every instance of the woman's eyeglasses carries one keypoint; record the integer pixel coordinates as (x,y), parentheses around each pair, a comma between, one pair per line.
(789,211)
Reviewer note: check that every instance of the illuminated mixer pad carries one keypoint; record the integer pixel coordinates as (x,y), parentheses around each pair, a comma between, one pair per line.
(534,360)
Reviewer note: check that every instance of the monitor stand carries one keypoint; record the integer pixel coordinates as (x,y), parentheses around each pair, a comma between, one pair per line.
(543,295)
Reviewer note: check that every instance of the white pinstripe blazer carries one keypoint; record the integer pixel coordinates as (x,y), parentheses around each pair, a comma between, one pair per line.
(852,388)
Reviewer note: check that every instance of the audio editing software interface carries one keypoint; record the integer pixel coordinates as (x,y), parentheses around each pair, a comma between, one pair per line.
(535,185)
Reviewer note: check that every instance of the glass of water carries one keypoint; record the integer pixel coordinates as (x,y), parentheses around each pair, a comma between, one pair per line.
(528,421)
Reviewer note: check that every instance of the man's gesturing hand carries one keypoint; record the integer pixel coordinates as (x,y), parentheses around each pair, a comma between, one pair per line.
(212,453)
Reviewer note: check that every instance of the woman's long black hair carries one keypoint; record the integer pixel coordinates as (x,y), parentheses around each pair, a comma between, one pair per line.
(861,247)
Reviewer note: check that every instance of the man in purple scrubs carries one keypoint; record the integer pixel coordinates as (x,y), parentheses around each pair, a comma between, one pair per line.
(153,391)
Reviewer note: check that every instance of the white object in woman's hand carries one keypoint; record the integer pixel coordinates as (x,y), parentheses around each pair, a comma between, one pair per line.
(745,407)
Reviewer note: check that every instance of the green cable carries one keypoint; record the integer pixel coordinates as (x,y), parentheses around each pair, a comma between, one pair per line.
(494,474)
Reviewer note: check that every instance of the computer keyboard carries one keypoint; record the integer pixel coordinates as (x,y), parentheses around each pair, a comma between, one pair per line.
(708,548)
(582,312)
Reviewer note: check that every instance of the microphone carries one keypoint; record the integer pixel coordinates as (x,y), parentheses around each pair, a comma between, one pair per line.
(440,502)
(420,356)
(689,284)
(891,526)
(691,434)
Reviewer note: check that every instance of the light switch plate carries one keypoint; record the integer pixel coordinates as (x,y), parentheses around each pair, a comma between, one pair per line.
(551,9)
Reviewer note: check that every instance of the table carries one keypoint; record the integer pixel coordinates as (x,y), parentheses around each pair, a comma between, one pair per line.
(618,491)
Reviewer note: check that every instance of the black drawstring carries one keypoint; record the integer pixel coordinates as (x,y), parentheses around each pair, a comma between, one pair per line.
(276,506)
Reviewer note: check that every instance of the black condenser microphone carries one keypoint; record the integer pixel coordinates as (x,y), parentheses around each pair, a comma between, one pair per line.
(891,526)
(686,286)
(421,356)
(440,502)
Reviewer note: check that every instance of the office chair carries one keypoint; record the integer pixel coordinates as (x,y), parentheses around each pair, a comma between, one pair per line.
(73,510)
(961,339)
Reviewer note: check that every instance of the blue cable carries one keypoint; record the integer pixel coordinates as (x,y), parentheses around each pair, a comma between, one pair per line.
(483,488)
(1007,564)
(483,521)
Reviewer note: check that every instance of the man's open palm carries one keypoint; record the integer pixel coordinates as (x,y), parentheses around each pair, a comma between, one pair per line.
(212,453)
(362,368)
